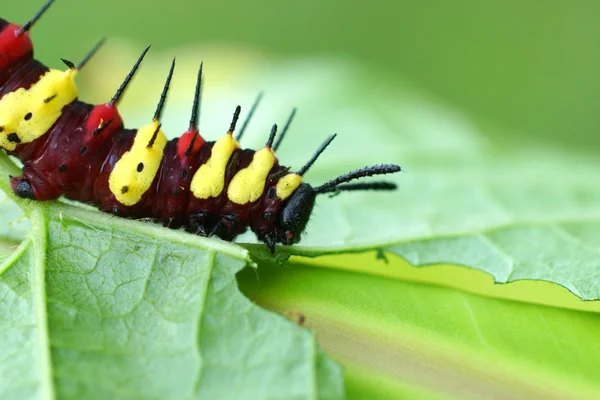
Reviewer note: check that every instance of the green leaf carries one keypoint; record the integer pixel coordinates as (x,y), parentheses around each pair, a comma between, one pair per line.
(98,307)
(412,340)
(13,224)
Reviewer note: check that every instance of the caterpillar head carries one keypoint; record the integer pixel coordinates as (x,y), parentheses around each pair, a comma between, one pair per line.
(294,215)
(283,221)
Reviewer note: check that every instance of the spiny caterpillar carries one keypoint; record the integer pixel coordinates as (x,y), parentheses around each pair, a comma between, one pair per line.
(83,152)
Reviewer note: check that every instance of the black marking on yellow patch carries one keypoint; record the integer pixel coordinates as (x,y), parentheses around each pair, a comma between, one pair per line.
(49,99)
(14,138)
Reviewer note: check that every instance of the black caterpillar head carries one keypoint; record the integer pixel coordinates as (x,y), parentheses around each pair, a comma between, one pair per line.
(294,215)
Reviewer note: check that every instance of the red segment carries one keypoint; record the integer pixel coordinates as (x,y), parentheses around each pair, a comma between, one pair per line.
(14,49)
(184,143)
(98,122)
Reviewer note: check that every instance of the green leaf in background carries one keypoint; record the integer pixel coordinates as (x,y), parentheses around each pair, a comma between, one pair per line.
(97,307)
(408,340)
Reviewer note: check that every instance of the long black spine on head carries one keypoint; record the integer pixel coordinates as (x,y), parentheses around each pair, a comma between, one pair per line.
(380,169)
(249,117)
(35,18)
(163,96)
(320,150)
(129,77)
(91,53)
(285,129)
(196,106)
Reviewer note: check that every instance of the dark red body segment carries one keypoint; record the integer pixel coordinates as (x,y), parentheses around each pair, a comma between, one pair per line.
(57,166)
(23,76)
(173,194)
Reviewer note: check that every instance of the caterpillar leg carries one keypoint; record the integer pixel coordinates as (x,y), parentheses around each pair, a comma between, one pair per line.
(228,227)
(201,223)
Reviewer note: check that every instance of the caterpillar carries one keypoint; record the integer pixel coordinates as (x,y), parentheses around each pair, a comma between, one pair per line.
(83,152)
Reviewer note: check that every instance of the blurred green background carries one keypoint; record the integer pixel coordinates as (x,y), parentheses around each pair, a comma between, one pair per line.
(529,68)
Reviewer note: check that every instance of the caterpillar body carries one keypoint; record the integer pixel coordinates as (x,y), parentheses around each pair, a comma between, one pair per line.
(83,152)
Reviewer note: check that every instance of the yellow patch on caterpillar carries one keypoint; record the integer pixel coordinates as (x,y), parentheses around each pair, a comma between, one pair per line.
(133,174)
(288,185)
(209,180)
(27,114)
(249,183)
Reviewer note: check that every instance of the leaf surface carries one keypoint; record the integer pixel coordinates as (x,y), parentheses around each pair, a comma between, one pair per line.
(401,339)
(99,307)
